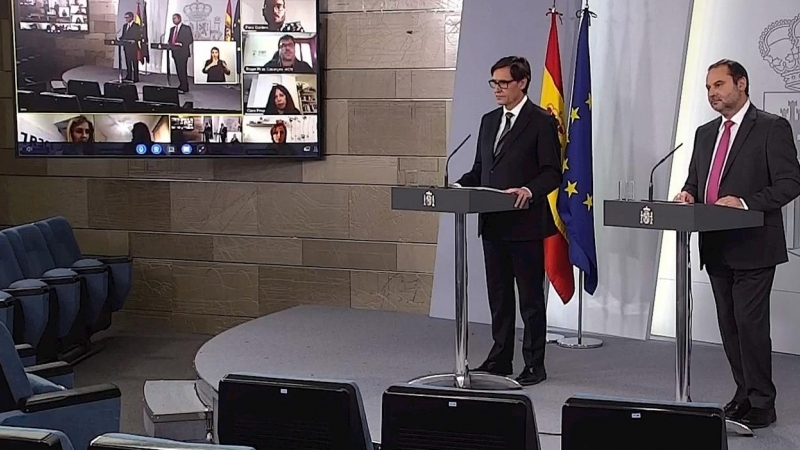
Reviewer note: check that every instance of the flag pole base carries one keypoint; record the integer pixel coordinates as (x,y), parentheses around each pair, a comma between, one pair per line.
(553,337)
(580,343)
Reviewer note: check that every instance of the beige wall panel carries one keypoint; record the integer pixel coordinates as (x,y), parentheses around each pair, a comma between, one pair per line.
(153,286)
(5,216)
(387,5)
(102,242)
(350,254)
(186,169)
(419,258)
(11,165)
(36,198)
(397,128)
(303,210)
(129,205)
(349,84)
(216,289)
(214,207)
(352,170)
(204,324)
(263,250)
(433,84)
(7,118)
(284,287)
(171,246)
(392,291)
(87,167)
(337,140)
(371,218)
(257,170)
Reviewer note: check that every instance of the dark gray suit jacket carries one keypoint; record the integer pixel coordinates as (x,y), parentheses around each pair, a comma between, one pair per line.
(763,170)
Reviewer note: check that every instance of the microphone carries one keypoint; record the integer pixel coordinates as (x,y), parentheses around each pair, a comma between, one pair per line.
(447,162)
(650,188)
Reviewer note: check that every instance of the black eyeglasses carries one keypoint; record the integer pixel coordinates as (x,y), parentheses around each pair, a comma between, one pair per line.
(502,83)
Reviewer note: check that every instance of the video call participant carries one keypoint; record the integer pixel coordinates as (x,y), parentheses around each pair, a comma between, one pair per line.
(208,132)
(280,102)
(223,133)
(131,35)
(279,132)
(80,133)
(140,134)
(274,12)
(215,68)
(285,58)
(181,38)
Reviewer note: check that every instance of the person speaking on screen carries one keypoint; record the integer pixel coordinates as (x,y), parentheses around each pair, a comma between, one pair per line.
(80,134)
(181,39)
(280,102)
(274,12)
(131,35)
(519,152)
(215,68)
(285,57)
(746,158)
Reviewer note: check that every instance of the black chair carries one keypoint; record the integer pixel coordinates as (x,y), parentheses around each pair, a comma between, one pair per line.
(51,102)
(126,92)
(26,100)
(161,94)
(416,416)
(82,89)
(154,107)
(273,413)
(16,438)
(120,441)
(605,423)
(93,104)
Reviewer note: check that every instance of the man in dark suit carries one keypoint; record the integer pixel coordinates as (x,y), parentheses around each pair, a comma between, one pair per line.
(744,159)
(518,151)
(131,35)
(181,38)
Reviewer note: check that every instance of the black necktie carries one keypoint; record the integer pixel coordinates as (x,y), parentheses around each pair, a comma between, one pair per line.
(506,129)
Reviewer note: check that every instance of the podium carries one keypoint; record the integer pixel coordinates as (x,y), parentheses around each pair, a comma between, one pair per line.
(460,202)
(684,219)
(168,48)
(119,44)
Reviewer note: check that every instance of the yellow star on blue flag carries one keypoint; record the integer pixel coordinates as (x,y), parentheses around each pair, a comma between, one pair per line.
(576,210)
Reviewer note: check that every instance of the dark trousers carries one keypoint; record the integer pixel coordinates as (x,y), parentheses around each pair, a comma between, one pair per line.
(131,65)
(181,70)
(523,261)
(742,298)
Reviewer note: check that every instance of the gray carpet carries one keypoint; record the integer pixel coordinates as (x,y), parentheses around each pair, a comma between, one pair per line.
(377,348)
(132,357)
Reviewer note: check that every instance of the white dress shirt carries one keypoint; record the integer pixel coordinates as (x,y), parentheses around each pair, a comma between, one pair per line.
(737,122)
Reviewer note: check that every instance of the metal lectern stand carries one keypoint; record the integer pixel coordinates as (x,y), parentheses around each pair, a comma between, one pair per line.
(460,202)
(683,219)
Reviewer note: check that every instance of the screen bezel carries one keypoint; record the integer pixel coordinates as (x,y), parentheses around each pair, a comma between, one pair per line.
(321,89)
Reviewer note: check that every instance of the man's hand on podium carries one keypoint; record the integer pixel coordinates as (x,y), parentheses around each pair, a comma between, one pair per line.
(523,196)
(684,197)
(730,201)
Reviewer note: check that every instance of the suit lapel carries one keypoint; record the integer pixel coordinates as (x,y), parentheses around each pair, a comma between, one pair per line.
(741,135)
(491,132)
(516,130)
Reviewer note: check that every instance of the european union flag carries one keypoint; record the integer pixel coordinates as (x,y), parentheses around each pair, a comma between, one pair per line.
(575,198)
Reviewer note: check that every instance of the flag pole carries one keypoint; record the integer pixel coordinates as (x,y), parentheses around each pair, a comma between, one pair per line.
(580,342)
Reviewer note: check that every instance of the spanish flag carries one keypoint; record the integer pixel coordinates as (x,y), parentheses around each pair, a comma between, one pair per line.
(556,248)
(228,22)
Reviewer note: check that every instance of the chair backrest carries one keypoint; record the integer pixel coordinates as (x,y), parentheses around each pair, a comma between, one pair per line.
(14,384)
(61,240)
(267,412)
(31,250)
(18,438)
(120,441)
(83,89)
(9,266)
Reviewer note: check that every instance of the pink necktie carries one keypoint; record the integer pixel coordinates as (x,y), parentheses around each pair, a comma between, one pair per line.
(175,36)
(712,193)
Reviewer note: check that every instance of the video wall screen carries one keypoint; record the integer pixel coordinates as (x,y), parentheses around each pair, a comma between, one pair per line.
(168,78)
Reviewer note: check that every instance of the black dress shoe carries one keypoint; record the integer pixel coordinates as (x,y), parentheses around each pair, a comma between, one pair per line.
(735,410)
(759,418)
(495,368)
(531,376)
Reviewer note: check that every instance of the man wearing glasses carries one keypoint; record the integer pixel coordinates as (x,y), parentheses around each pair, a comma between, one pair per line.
(285,59)
(274,12)
(518,152)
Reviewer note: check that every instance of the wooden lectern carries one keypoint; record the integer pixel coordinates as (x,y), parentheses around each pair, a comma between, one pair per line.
(458,201)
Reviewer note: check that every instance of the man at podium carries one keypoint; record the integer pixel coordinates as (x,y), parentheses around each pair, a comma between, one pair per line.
(518,151)
(746,158)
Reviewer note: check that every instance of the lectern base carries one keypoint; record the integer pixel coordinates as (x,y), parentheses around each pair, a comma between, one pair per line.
(552,337)
(738,428)
(582,343)
(474,380)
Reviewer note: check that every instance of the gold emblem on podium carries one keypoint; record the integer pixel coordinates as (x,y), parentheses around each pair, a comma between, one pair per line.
(429,200)
(646,216)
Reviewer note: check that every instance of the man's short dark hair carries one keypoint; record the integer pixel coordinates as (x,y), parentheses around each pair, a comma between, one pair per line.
(736,70)
(286,37)
(519,66)
(128,14)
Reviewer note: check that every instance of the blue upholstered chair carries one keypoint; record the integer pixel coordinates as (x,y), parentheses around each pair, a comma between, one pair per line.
(36,263)
(31,318)
(119,441)
(66,252)
(18,438)
(11,312)
(28,400)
